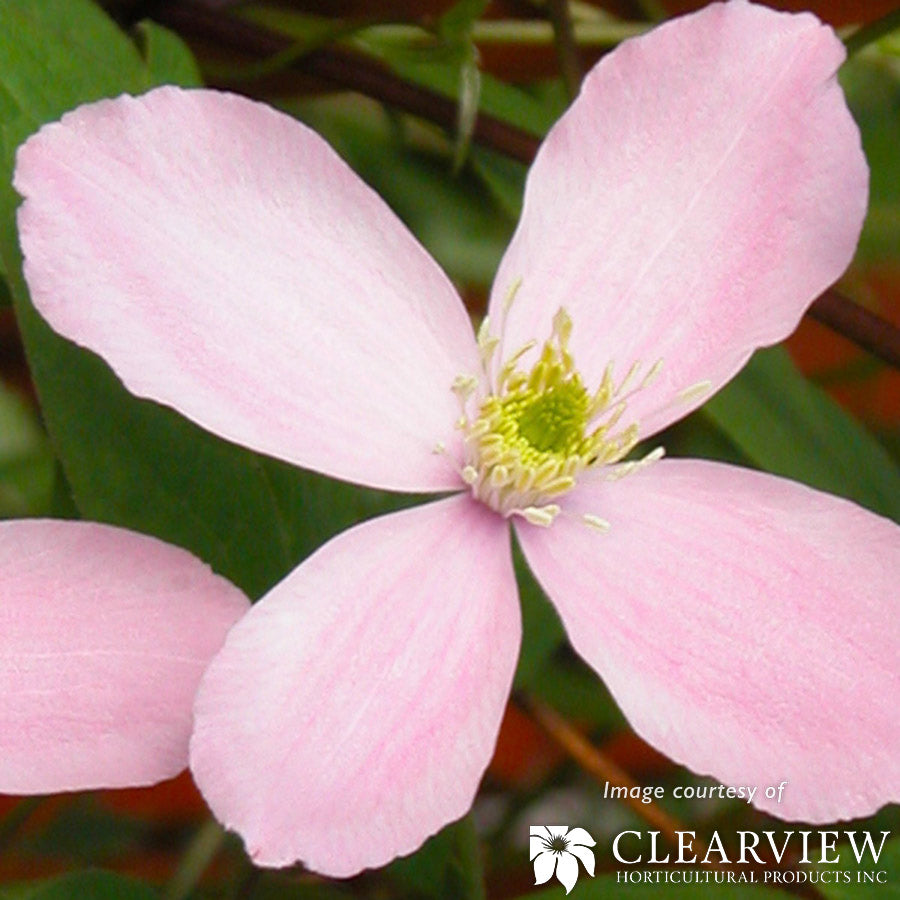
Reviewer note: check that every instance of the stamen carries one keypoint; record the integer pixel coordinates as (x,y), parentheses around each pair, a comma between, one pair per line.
(539,515)
(487,344)
(511,294)
(537,430)
(636,465)
(652,375)
(464,386)
(509,367)
(626,382)
(484,330)
(562,327)
(695,391)
(596,522)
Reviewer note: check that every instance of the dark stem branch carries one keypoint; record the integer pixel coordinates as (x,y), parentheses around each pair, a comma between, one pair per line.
(343,70)
(874,31)
(865,328)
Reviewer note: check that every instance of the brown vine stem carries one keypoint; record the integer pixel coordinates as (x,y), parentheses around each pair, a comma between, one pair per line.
(603,769)
(862,326)
(344,70)
(350,71)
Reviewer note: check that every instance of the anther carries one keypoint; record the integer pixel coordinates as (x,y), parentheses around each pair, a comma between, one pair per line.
(626,381)
(596,522)
(511,294)
(464,386)
(539,515)
(469,474)
(652,375)
(695,391)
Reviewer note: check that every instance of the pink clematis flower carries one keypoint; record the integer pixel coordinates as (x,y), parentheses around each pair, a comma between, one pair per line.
(705,186)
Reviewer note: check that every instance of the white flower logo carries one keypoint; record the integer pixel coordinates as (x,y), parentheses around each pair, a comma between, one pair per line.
(556,849)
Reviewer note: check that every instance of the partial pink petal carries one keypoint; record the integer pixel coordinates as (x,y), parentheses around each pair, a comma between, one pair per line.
(224,261)
(352,713)
(747,625)
(705,186)
(104,634)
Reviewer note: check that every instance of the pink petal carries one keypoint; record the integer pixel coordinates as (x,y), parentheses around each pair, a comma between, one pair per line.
(352,713)
(705,186)
(103,637)
(224,261)
(747,625)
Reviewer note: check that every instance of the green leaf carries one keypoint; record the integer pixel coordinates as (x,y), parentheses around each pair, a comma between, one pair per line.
(447,867)
(307,34)
(63,52)
(504,179)
(167,56)
(456,23)
(466,105)
(281,886)
(5,293)
(85,832)
(90,885)
(26,461)
(697,437)
(455,29)
(542,630)
(788,426)
(576,692)
(436,67)
(872,86)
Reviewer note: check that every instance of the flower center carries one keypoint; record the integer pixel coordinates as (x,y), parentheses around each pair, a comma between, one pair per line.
(552,422)
(537,430)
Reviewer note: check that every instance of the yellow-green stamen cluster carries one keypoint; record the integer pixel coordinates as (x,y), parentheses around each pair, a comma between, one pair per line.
(538,430)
